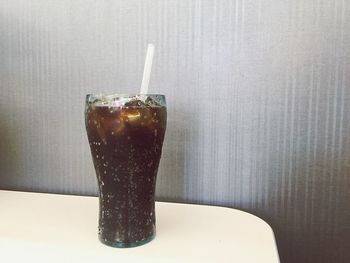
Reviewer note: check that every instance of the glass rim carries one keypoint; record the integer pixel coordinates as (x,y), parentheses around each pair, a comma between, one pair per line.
(113,95)
(119,100)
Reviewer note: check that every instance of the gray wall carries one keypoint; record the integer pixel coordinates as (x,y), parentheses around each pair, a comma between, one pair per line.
(258,104)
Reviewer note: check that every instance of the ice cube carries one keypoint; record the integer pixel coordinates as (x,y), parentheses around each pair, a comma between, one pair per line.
(117,126)
(152,102)
(135,103)
(130,115)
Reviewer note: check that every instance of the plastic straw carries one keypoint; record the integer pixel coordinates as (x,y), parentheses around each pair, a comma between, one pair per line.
(147,69)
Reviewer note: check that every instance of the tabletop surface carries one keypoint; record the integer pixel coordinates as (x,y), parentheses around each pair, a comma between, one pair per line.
(36,227)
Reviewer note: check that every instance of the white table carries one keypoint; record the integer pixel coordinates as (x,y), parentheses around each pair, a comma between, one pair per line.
(63,228)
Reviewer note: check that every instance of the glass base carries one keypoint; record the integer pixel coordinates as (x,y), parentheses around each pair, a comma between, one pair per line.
(126,245)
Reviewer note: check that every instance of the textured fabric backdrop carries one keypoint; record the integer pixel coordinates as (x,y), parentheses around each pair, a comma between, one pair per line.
(258,95)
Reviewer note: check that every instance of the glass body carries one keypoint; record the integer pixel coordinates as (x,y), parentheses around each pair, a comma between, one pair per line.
(126,134)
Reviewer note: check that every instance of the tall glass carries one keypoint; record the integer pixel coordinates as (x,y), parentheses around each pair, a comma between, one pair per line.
(126,134)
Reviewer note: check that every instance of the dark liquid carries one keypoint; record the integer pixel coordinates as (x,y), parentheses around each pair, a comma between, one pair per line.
(126,145)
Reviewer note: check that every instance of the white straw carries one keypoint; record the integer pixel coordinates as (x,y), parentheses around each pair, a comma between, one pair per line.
(147,69)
